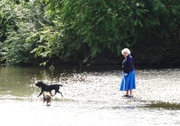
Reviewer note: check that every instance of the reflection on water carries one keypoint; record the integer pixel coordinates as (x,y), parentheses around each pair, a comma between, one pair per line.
(91,98)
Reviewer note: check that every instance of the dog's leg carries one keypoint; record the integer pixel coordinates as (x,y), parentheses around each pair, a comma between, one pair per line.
(55,93)
(51,93)
(40,93)
(60,93)
(44,99)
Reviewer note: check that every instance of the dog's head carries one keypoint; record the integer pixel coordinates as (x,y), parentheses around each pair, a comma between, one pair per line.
(39,84)
(47,98)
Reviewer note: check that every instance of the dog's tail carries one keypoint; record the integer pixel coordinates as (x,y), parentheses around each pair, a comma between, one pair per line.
(60,85)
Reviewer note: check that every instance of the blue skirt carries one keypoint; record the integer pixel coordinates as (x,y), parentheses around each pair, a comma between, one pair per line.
(128,82)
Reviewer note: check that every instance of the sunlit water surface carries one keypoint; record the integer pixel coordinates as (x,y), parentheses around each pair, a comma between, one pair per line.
(91,98)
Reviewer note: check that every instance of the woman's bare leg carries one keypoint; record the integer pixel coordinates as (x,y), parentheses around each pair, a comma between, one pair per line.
(130,93)
(127,92)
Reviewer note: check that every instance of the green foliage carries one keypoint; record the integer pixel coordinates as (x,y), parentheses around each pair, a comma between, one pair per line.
(19,43)
(48,44)
(160,34)
(98,26)
(40,31)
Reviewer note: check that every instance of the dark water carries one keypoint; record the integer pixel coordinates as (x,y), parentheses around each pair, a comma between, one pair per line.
(91,98)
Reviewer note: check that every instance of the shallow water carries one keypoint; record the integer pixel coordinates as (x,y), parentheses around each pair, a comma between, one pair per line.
(91,98)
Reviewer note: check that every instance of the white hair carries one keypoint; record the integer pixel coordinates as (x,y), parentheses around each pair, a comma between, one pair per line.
(126,50)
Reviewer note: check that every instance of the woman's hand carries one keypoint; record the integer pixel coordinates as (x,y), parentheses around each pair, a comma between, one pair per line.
(125,74)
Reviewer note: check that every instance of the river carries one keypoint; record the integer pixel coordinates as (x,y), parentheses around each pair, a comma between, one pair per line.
(91,97)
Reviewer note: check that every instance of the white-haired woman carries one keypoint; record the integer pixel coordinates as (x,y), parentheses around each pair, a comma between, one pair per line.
(128,74)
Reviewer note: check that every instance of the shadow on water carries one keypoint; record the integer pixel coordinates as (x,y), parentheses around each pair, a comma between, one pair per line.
(163,105)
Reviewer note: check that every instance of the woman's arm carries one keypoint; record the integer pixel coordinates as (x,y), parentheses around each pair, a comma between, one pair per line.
(129,64)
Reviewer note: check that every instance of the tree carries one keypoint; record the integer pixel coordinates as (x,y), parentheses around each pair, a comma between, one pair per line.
(89,30)
(29,20)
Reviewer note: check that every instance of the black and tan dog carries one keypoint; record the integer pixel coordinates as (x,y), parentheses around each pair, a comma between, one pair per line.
(48,88)
(47,98)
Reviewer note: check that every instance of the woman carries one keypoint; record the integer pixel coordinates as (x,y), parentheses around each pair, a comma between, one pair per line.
(128,74)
